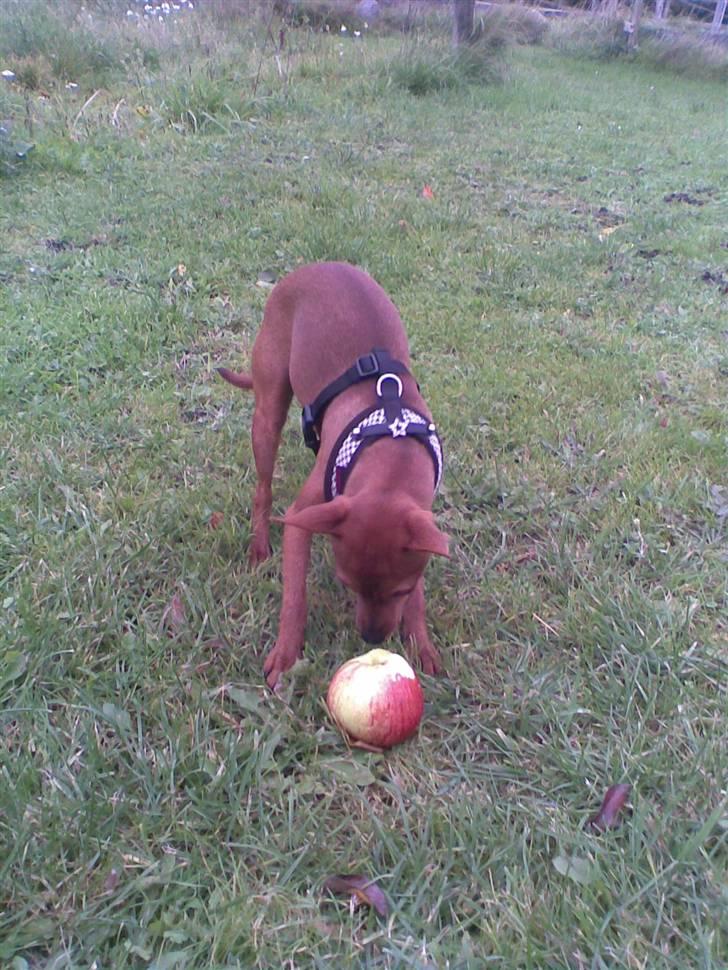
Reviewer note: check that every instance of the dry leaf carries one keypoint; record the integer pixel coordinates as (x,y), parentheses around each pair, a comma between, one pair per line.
(216,520)
(267,278)
(173,617)
(608,815)
(607,231)
(577,868)
(112,881)
(361,890)
(214,644)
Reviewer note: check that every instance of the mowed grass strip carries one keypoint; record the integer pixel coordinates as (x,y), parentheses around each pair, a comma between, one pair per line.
(563,285)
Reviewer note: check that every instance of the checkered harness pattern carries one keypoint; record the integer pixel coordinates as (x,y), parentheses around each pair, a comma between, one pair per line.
(355,439)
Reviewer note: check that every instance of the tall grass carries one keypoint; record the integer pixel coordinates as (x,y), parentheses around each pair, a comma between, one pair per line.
(59,43)
(684,51)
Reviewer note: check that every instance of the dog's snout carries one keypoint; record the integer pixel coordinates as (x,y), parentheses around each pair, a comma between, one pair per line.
(374,635)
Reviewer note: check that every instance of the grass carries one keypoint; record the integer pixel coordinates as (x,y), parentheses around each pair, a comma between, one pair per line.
(678,47)
(562,291)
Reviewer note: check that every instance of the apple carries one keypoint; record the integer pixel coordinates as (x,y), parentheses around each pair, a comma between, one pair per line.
(376,698)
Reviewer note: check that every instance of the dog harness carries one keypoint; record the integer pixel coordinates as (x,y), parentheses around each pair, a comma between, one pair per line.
(388,419)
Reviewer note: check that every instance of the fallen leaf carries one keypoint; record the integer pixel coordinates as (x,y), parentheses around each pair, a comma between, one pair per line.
(349,770)
(246,700)
(361,890)
(427,192)
(214,644)
(577,869)
(173,617)
(216,520)
(117,716)
(607,231)
(719,500)
(266,278)
(608,815)
(112,881)
(12,667)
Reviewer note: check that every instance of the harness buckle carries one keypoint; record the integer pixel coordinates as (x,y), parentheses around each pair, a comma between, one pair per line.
(308,427)
(367,365)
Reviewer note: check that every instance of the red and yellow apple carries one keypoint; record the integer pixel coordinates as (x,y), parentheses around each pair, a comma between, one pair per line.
(376,698)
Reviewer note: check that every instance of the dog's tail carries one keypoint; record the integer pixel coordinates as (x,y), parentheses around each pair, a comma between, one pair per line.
(235,377)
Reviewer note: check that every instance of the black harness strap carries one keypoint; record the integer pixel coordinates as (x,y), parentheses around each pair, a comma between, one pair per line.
(373,364)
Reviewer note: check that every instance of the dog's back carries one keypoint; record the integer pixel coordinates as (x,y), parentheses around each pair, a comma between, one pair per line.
(336,313)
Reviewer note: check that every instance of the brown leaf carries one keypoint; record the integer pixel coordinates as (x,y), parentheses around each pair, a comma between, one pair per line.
(173,617)
(112,881)
(214,644)
(361,889)
(216,520)
(608,815)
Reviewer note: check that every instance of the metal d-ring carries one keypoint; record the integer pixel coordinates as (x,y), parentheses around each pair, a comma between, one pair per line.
(385,377)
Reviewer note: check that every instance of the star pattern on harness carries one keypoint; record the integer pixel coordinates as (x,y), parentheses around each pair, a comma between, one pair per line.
(399,426)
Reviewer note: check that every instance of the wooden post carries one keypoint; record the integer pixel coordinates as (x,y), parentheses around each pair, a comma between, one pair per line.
(718,16)
(463,15)
(635,24)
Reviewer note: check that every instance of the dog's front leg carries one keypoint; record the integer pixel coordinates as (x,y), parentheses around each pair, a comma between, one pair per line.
(292,624)
(414,629)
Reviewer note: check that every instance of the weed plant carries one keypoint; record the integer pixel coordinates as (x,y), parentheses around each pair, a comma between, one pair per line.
(564,282)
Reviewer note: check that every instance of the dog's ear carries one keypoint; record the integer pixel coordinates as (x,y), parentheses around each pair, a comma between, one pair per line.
(423,535)
(325,518)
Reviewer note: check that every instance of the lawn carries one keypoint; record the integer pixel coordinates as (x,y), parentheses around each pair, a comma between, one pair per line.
(564,283)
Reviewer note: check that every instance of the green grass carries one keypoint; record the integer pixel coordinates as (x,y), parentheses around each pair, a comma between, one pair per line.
(158,807)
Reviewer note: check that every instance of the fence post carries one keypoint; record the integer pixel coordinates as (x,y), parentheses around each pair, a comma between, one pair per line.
(463,17)
(635,24)
(718,16)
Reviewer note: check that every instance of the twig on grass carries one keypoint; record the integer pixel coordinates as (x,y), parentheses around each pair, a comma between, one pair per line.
(83,108)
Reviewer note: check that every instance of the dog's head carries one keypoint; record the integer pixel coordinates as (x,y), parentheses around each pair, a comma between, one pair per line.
(381,550)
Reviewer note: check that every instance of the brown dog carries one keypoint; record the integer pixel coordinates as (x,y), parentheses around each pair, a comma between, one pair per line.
(331,336)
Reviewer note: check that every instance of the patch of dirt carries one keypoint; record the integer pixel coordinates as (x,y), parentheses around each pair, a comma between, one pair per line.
(208,415)
(61,245)
(606,218)
(683,197)
(718,278)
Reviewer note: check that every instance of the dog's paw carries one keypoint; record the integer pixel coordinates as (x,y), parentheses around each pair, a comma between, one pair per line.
(278,661)
(258,553)
(430,660)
